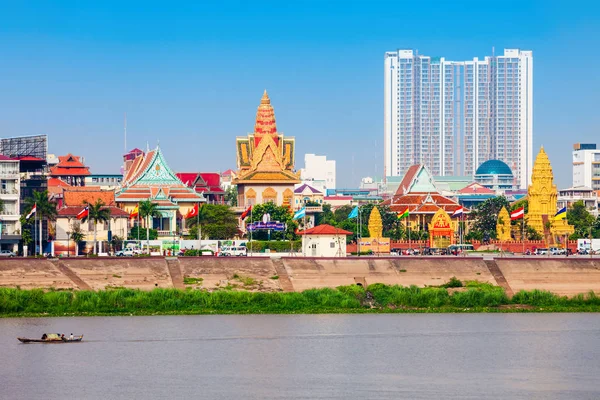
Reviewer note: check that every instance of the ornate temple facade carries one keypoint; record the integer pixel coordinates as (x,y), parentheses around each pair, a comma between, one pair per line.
(265,160)
(503,225)
(542,195)
(419,194)
(148,177)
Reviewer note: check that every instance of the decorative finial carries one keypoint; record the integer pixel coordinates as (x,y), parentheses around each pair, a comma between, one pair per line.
(265,98)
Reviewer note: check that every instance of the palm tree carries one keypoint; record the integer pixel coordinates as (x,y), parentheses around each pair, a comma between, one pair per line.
(148,209)
(76,236)
(45,208)
(97,212)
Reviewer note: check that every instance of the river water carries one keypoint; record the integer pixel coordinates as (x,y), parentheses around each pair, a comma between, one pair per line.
(420,356)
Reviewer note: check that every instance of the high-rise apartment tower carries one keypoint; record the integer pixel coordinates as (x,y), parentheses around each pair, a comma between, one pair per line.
(454,115)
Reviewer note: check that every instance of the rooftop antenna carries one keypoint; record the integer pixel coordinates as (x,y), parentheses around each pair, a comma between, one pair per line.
(125,123)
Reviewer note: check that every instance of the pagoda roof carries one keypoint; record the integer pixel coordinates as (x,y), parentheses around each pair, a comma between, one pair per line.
(417,179)
(421,203)
(149,177)
(69,165)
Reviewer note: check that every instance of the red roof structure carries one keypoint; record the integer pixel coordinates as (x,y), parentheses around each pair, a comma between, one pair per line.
(418,193)
(207,183)
(69,165)
(325,229)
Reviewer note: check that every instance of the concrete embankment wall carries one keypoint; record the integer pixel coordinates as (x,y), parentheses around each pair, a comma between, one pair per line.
(567,276)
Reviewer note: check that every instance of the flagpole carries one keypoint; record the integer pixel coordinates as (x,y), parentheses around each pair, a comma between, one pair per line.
(523,233)
(40,222)
(408,225)
(303,235)
(138,227)
(35,224)
(199,230)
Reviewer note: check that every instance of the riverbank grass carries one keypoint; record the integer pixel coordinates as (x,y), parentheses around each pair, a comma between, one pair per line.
(377,298)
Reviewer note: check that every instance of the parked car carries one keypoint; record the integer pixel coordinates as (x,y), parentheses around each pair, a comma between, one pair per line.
(125,253)
(233,251)
(556,251)
(541,252)
(7,253)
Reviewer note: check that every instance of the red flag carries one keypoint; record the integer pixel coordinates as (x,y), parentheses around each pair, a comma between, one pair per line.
(83,213)
(246,213)
(193,212)
(517,214)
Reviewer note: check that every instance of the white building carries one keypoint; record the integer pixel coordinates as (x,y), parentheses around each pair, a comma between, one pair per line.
(454,115)
(318,172)
(589,197)
(586,166)
(10,192)
(324,241)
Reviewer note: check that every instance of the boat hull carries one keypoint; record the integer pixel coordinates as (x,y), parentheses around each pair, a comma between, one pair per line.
(63,340)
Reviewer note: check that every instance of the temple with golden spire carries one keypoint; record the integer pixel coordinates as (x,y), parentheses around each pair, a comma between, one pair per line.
(265,160)
(542,195)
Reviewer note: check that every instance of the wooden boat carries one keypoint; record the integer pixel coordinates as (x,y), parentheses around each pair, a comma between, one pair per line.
(52,338)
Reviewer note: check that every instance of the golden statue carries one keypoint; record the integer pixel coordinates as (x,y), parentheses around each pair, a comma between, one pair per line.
(542,195)
(375,224)
(503,225)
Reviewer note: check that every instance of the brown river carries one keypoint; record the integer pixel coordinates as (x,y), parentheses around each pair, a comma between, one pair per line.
(401,356)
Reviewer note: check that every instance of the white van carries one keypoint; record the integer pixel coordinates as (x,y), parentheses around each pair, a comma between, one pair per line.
(233,251)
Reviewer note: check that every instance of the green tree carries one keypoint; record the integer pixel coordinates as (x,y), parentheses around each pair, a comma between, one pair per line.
(117,242)
(218,222)
(45,208)
(231,195)
(485,216)
(1,205)
(133,234)
(581,219)
(326,217)
(147,210)
(97,212)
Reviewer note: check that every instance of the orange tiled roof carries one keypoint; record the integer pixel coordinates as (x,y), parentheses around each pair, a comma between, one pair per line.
(78,197)
(72,211)
(409,176)
(425,203)
(69,165)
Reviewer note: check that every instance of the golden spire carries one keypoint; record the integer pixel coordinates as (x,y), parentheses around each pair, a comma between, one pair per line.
(375,224)
(265,117)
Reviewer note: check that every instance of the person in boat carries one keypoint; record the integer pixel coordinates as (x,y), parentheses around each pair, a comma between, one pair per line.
(62,336)
(71,337)
(44,336)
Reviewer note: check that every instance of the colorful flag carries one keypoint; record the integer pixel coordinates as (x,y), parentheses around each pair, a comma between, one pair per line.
(135,211)
(193,212)
(301,213)
(83,213)
(459,211)
(517,214)
(561,214)
(353,213)
(246,213)
(33,211)
(403,214)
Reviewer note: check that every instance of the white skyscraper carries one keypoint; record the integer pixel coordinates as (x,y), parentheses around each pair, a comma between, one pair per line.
(454,115)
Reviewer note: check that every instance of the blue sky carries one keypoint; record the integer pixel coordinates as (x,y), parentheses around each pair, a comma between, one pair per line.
(192,75)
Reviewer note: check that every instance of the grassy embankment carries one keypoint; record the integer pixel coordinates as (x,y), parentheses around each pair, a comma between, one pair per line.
(377,298)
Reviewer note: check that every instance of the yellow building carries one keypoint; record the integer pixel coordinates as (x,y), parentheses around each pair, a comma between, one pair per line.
(265,161)
(542,195)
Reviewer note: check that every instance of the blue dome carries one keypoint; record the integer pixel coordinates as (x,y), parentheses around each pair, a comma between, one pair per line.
(493,167)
